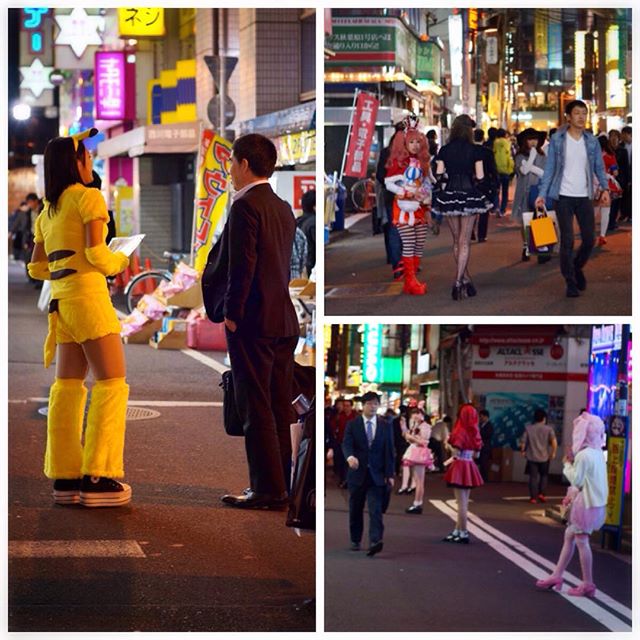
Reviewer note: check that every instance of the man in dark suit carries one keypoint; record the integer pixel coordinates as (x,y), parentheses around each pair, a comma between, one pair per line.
(246,284)
(368,448)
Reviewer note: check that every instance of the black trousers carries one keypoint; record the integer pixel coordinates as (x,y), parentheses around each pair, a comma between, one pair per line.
(483,225)
(582,209)
(538,474)
(374,496)
(262,376)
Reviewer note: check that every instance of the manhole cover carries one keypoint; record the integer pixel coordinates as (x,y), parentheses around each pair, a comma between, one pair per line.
(138,413)
(364,290)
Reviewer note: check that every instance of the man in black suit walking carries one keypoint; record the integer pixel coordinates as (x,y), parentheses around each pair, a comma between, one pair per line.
(246,283)
(368,448)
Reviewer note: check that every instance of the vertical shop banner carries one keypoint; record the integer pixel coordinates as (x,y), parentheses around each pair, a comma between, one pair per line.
(362,128)
(541,38)
(110,85)
(616,458)
(211,193)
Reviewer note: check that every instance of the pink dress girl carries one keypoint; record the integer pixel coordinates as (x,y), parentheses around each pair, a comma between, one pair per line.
(417,458)
(587,500)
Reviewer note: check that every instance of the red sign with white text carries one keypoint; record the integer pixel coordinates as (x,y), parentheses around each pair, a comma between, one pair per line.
(302,184)
(362,128)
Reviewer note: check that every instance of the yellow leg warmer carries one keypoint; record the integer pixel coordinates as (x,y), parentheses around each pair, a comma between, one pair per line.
(104,437)
(63,456)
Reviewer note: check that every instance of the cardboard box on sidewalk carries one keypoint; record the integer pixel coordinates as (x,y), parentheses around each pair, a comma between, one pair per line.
(145,334)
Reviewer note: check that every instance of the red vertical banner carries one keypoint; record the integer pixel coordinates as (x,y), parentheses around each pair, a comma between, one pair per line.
(362,128)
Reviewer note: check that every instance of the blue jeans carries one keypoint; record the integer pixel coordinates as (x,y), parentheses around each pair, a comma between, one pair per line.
(505,179)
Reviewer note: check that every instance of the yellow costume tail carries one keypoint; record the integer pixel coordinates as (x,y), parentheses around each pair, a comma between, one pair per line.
(106,421)
(63,456)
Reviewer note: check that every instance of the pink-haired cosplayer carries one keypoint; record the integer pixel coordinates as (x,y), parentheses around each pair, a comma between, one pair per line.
(407,178)
(587,500)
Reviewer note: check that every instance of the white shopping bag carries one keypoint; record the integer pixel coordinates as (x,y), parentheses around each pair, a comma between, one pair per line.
(527,216)
(45,296)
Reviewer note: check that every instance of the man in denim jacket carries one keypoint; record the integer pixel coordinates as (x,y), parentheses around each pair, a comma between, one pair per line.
(574,157)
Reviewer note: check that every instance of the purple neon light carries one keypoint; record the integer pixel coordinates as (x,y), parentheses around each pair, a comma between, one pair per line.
(110,85)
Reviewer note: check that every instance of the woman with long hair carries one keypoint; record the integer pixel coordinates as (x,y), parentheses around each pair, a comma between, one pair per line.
(458,166)
(70,251)
(462,474)
(408,174)
(586,500)
(611,169)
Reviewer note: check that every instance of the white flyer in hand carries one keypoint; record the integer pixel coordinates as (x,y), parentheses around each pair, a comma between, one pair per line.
(127,245)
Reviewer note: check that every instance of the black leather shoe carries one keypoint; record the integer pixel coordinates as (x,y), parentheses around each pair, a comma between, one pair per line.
(414,508)
(355,546)
(376,547)
(252,500)
(581,281)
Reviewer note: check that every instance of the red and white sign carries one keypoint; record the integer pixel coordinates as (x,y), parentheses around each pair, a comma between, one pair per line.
(362,128)
(302,184)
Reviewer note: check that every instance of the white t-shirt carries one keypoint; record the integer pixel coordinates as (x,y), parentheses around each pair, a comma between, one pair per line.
(574,178)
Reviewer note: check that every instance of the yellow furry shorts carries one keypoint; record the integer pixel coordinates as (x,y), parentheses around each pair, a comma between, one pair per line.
(86,318)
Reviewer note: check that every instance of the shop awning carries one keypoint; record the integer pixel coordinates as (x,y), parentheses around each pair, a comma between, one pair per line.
(154,138)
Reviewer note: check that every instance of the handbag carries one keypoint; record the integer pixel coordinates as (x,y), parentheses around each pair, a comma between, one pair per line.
(527,219)
(233,423)
(542,230)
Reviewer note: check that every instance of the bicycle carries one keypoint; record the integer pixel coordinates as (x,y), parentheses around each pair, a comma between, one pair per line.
(363,195)
(148,281)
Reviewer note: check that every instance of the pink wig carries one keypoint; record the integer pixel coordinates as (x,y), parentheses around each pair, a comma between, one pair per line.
(400,155)
(588,432)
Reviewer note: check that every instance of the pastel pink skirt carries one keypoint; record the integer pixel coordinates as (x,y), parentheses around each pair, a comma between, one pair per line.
(585,519)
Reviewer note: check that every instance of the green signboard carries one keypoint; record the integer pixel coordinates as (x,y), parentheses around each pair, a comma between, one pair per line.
(428,62)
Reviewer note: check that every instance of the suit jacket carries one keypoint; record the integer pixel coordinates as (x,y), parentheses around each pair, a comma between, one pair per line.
(379,459)
(247,273)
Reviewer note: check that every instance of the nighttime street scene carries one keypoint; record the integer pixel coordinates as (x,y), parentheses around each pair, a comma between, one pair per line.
(477,160)
(478,478)
(161,320)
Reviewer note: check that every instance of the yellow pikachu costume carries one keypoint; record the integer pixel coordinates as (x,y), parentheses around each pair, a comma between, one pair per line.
(80,310)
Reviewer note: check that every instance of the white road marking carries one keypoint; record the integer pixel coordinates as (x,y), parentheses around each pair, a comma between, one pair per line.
(349,221)
(206,360)
(75,549)
(143,403)
(517,557)
(568,577)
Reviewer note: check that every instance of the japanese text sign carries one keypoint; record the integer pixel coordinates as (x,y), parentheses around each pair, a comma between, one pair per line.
(110,85)
(141,22)
(362,128)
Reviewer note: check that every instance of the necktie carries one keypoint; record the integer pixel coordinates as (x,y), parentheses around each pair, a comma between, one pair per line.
(369,432)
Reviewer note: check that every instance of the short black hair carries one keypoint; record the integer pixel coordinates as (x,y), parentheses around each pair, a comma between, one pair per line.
(570,106)
(31,196)
(539,415)
(432,134)
(447,419)
(501,133)
(258,151)
(552,131)
(626,129)
(308,201)
(478,135)
(483,412)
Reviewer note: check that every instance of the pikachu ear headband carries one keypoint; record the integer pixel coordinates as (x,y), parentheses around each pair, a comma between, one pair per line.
(81,135)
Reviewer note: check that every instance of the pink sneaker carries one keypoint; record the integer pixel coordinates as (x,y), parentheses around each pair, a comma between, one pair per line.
(584,589)
(550,583)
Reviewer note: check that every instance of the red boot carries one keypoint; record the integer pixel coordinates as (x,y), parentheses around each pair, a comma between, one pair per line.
(411,285)
(416,264)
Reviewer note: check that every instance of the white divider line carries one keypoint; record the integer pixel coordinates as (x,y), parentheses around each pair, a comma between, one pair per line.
(532,555)
(75,549)
(143,403)
(349,221)
(590,607)
(206,360)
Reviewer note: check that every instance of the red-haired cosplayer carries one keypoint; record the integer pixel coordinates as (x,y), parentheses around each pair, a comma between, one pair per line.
(407,178)
(70,251)
(463,474)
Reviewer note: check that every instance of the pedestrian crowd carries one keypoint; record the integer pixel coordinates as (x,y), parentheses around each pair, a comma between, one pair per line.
(370,452)
(565,173)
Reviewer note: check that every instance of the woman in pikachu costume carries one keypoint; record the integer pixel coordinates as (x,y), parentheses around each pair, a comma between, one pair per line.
(70,251)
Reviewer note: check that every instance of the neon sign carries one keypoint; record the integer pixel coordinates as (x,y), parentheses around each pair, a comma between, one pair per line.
(372,352)
(110,85)
(32,23)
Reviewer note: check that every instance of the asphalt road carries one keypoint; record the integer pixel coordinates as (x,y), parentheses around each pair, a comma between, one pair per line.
(176,559)
(358,282)
(419,583)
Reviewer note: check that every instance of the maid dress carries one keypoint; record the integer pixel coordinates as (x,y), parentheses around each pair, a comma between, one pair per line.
(459,196)
(463,472)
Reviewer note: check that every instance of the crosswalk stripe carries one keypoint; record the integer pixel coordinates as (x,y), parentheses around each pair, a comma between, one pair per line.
(206,360)
(75,549)
(142,403)
(568,577)
(591,608)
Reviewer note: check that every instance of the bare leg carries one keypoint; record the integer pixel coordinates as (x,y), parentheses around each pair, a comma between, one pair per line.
(566,553)
(418,471)
(71,361)
(586,557)
(106,357)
